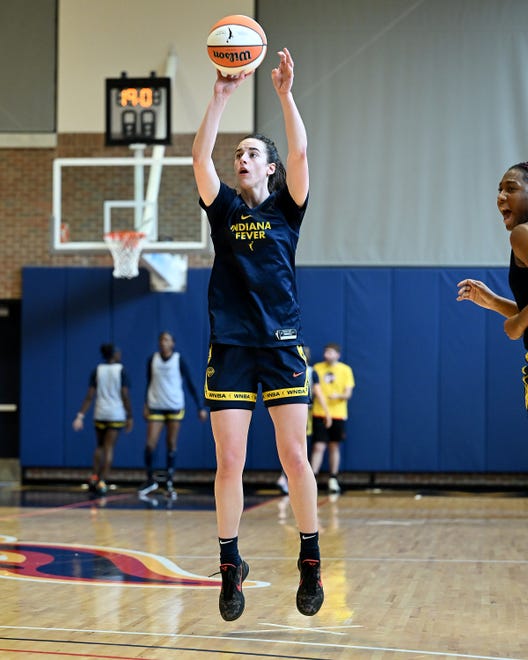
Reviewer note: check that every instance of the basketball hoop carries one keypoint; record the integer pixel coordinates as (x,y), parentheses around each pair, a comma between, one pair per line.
(125,247)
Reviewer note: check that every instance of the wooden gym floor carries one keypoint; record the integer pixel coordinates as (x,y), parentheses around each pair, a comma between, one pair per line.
(406,575)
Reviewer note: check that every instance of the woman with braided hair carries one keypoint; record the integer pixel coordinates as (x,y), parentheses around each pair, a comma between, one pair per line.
(512,202)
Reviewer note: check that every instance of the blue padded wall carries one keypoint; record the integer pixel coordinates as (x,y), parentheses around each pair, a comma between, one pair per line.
(438,384)
(43,369)
(67,314)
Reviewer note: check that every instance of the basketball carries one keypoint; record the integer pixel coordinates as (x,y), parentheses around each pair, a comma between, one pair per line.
(236,44)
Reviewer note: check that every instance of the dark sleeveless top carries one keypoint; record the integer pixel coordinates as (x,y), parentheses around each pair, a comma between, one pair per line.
(252,289)
(518,281)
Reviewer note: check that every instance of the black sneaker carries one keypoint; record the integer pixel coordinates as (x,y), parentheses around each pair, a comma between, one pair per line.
(148,487)
(310,594)
(231,602)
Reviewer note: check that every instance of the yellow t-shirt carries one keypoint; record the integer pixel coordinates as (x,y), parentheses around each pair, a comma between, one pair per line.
(333,379)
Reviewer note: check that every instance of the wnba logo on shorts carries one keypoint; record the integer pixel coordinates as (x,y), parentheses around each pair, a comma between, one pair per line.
(209,372)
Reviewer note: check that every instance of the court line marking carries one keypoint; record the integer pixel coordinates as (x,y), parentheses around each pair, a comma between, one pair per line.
(330,630)
(253,654)
(431,560)
(439,521)
(411,560)
(256,640)
(63,507)
(70,654)
(93,503)
(428,560)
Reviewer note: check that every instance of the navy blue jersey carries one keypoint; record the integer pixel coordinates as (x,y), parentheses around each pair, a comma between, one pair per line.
(252,289)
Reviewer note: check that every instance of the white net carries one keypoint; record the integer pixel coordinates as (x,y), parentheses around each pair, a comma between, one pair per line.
(125,247)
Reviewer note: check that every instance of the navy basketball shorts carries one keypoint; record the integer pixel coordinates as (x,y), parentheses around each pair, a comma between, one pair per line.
(234,373)
(157,415)
(336,433)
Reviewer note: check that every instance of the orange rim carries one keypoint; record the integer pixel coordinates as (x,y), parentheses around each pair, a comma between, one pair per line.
(124,235)
(125,238)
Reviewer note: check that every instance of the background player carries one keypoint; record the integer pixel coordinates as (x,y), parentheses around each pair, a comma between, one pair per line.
(167,373)
(109,384)
(512,202)
(337,383)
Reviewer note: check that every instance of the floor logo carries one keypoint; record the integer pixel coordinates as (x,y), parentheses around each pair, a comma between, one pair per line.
(74,563)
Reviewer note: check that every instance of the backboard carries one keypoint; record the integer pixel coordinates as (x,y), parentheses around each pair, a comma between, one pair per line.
(155,195)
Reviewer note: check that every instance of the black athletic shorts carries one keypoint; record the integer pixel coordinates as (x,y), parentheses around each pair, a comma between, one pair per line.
(336,433)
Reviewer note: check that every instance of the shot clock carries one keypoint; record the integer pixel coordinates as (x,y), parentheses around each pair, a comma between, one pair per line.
(138,110)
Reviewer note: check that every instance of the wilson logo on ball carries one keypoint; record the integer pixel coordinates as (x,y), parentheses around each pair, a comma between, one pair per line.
(236,56)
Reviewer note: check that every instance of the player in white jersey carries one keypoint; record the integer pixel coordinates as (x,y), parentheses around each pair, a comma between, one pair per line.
(109,384)
(164,407)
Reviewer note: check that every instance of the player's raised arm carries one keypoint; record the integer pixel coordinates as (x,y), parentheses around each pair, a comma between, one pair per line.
(202,151)
(297,178)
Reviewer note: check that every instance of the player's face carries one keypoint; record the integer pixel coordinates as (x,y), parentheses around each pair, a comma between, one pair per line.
(166,344)
(251,163)
(331,355)
(512,199)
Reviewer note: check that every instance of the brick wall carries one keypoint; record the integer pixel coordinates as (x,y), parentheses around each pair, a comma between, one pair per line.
(26,201)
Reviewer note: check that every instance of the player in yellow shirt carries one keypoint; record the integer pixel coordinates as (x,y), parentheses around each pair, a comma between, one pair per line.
(337,383)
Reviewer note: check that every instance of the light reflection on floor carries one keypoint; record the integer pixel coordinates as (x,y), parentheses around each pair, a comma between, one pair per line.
(188,499)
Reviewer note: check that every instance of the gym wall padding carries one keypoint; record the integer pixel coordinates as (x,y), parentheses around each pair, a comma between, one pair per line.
(438,383)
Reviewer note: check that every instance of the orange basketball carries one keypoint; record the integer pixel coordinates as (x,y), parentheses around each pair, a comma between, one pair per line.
(236,44)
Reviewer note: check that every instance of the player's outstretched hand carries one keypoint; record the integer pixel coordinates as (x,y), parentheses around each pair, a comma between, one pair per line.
(477,292)
(282,75)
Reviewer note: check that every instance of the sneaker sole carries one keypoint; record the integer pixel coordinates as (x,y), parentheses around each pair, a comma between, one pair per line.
(313,607)
(227,616)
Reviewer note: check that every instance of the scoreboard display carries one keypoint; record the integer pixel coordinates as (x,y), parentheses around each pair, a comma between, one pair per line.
(138,111)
